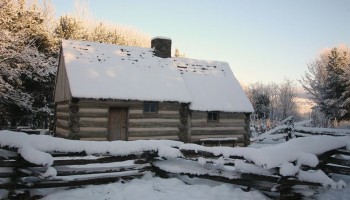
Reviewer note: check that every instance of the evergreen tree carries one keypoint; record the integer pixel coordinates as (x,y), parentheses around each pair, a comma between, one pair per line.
(334,87)
(345,97)
(327,80)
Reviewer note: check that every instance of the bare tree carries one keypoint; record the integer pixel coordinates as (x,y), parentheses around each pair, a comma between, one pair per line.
(286,99)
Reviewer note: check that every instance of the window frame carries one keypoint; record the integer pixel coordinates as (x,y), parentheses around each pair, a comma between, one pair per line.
(149,107)
(211,114)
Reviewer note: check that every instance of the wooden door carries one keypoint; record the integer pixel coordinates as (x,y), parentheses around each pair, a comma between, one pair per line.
(117,124)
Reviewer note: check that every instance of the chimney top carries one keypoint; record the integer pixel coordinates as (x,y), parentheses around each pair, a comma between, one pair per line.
(161,37)
(162,46)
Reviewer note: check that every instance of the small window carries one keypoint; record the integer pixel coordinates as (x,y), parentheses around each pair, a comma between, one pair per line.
(150,107)
(213,116)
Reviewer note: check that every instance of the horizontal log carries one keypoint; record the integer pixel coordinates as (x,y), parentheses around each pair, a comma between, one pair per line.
(169,112)
(135,111)
(62,115)
(153,124)
(217,124)
(93,122)
(163,137)
(196,138)
(131,104)
(62,103)
(91,114)
(154,120)
(7,154)
(199,115)
(342,152)
(204,154)
(338,161)
(68,154)
(93,134)
(67,171)
(6,175)
(79,182)
(155,129)
(217,128)
(169,107)
(93,129)
(217,142)
(224,115)
(210,133)
(16,163)
(93,119)
(62,123)
(62,108)
(93,110)
(6,172)
(109,103)
(153,133)
(221,120)
(336,169)
(61,132)
(98,138)
(152,115)
(84,161)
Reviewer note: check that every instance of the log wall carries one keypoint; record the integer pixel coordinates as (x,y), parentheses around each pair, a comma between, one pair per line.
(62,119)
(228,125)
(93,120)
(88,120)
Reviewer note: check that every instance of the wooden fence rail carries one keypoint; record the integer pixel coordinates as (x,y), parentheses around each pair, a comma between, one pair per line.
(77,169)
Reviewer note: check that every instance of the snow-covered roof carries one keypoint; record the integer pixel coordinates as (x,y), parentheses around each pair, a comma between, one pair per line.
(98,70)
(212,86)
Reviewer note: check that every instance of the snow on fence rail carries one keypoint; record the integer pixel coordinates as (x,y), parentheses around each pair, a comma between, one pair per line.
(280,132)
(39,161)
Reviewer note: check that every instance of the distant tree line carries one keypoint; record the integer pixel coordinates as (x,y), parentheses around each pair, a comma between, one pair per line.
(272,103)
(328,81)
(29,42)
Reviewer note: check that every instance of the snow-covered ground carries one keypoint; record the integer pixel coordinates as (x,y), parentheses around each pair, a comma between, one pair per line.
(330,194)
(154,188)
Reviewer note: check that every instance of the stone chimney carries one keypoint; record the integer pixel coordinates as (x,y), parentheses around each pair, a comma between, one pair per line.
(162,47)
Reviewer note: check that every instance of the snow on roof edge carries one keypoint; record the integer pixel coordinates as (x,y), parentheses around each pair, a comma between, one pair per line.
(117,99)
(161,37)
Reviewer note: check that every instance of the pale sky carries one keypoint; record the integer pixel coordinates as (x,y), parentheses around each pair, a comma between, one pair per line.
(262,40)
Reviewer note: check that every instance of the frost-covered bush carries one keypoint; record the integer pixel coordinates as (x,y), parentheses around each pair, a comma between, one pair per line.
(29,43)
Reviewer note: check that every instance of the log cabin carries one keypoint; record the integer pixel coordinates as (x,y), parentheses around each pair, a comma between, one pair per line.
(113,92)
